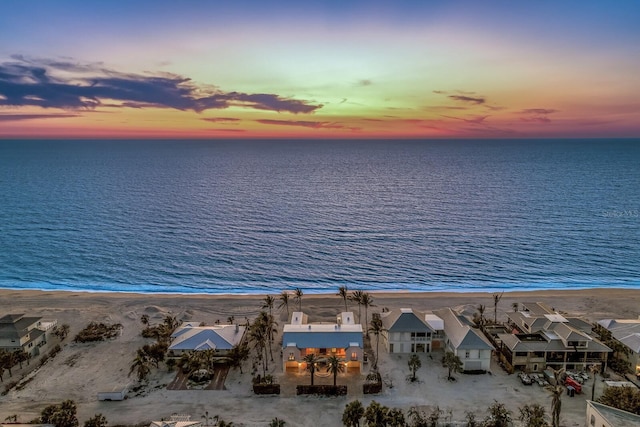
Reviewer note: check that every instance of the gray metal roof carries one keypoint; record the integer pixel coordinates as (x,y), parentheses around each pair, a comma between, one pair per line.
(405,321)
(16,326)
(625,331)
(461,335)
(617,417)
(204,338)
(322,339)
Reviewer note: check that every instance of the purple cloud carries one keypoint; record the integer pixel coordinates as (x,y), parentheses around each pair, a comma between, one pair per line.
(538,111)
(29,82)
(537,115)
(302,123)
(220,119)
(470,99)
(17,117)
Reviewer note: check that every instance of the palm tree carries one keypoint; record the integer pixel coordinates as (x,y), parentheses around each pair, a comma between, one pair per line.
(595,370)
(238,354)
(533,415)
(356,296)
(367,301)
(297,297)
(98,420)
(270,325)
(259,337)
(268,302)
(334,366)
(62,415)
(141,365)
(414,364)
(144,319)
(343,293)
(353,413)
(284,302)
(311,360)
(478,317)
(515,307)
(452,362)
(376,328)
(496,300)
(395,418)
(376,415)
(276,422)
(499,415)
(556,404)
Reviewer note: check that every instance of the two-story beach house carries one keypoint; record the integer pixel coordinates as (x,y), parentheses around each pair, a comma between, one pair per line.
(21,333)
(627,332)
(543,338)
(470,345)
(342,339)
(411,331)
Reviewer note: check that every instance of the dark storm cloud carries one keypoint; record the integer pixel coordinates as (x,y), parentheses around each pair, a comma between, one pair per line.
(30,82)
(18,117)
(538,111)
(470,99)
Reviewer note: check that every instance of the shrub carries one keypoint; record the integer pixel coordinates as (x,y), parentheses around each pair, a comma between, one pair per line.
(266,388)
(97,332)
(326,390)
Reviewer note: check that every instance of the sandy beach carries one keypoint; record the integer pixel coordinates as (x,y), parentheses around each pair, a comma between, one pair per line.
(80,371)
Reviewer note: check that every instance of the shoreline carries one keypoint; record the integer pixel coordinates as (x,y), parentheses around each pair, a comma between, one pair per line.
(308,293)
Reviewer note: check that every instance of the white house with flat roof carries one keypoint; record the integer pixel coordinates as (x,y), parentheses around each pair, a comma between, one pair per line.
(600,415)
(342,339)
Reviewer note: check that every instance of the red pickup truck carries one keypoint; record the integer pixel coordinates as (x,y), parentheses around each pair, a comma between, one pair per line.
(573,383)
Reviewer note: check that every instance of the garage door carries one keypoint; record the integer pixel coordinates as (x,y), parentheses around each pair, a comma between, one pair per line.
(473,366)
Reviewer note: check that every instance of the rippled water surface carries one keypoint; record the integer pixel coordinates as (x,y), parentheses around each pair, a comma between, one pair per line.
(261,216)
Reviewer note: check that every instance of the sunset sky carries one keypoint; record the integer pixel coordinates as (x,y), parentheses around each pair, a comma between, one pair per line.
(332,69)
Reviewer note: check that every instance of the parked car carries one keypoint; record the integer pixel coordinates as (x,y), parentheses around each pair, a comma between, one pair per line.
(525,379)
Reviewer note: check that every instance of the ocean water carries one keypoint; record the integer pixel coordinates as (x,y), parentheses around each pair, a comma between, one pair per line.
(263,216)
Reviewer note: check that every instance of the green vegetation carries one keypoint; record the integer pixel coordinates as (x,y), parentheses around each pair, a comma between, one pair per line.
(625,398)
(98,332)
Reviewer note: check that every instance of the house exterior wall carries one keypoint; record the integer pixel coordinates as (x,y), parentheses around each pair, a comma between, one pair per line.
(293,357)
(594,419)
(408,342)
(474,359)
(30,342)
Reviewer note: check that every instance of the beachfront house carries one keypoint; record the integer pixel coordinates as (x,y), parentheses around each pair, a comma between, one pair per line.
(599,415)
(471,346)
(410,331)
(627,332)
(220,338)
(342,339)
(540,338)
(21,333)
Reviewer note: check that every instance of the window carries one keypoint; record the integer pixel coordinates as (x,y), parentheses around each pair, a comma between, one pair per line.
(467,354)
(291,356)
(593,420)
(354,356)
